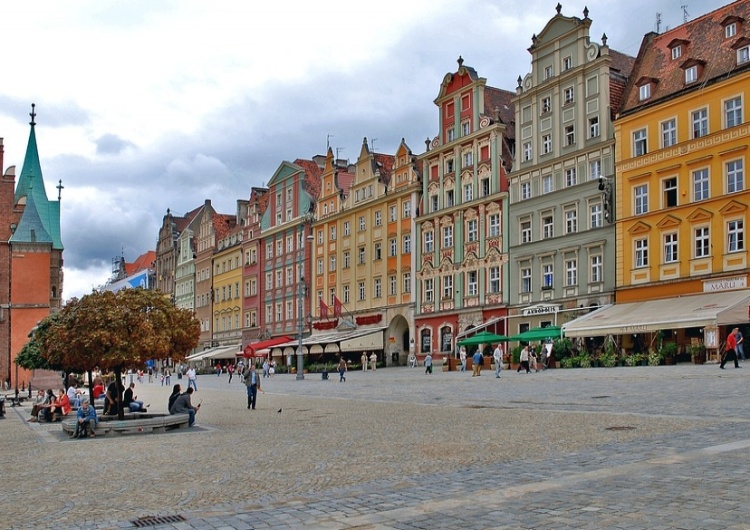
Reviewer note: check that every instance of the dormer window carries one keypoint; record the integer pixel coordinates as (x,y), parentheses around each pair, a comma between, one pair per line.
(691,74)
(678,47)
(693,69)
(742,45)
(730,30)
(644,92)
(676,52)
(731,25)
(646,87)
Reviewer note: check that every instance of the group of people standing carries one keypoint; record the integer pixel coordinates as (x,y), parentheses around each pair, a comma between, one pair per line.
(373,361)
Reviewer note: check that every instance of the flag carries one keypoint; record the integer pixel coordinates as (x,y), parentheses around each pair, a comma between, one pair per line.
(323,309)
(336,306)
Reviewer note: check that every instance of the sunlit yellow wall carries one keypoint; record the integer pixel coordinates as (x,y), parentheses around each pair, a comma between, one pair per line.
(712,152)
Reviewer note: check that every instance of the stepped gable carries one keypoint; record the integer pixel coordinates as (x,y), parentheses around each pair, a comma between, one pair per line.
(703,43)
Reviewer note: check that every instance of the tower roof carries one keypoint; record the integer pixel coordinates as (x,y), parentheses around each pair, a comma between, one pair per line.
(30,227)
(30,189)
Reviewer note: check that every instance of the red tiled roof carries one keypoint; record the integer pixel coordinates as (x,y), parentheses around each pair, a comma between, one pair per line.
(344,181)
(313,172)
(223,223)
(703,42)
(502,100)
(385,163)
(144,261)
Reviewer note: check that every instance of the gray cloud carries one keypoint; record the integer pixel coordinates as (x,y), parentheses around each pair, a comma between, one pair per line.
(111,144)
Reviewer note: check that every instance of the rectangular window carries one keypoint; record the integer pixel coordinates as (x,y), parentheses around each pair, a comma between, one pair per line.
(669,198)
(571,272)
(525,190)
(494,280)
(449,198)
(406,210)
(320,266)
(735,176)
(485,184)
(471,280)
(676,52)
(378,251)
(526,280)
(361,255)
(279,279)
(407,282)
(526,231)
(640,146)
(597,274)
(347,228)
(362,223)
(495,225)
(429,242)
(691,74)
(743,55)
(641,253)
(548,276)
(347,295)
(468,193)
(347,259)
(429,291)
(670,248)
(571,221)
(733,112)
(360,291)
(730,30)
(700,123)
(468,159)
(392,285)
(735,236)
(644,92)
(465,128)
(546,104)
(378,288)
(378,218)
(434,203)
(449,165)
(568,95)
(447,286)
(332,233)
(392,213)
(547,184)
(641,199)
(700,184)
(451,134)
(527,151)
(570,135)
(595,215)
(407,244)
(567,63)
(548,227)
(594,127)
(668,133)
(546,144)
(702,244)
(570,177)
(547,72)
(447,237)
(392,247)
(595,169)
(472,230)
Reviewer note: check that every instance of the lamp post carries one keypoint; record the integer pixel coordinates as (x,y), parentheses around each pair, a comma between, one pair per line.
(301,310)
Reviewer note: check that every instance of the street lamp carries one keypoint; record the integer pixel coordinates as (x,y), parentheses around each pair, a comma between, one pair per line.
(301,311)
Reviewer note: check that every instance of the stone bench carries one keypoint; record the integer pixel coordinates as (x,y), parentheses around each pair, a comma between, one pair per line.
(134,423)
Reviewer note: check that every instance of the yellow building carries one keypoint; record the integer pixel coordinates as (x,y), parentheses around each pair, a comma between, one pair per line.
(227,278)
(681,196)
(362,261)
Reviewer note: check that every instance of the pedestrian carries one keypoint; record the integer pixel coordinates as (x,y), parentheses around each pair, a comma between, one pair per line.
(412,360)
(272,369)
(342,370)
(524,360)
(462,356)
(740,344)
(498,357)
(230,369)
(731,349)
(218,370)
(252,382)
(266,368)
(167,377)
(533,359)
(428,363)
(192,379)
(150,375)
(364,361)
(476,360)
(373,361)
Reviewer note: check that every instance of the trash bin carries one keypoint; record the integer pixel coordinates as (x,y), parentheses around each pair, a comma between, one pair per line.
(179,375)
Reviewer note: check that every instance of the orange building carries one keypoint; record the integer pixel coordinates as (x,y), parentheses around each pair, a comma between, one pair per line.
(681,197)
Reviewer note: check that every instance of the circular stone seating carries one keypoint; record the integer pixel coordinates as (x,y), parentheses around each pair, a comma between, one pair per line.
(134,423)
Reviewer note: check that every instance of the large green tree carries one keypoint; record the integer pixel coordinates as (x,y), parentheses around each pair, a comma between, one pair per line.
(116,331)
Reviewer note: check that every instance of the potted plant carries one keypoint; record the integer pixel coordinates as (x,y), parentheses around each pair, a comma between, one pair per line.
(516,357)
(669,352)
(584,359)
(608,358)
(698,353)
(655,358)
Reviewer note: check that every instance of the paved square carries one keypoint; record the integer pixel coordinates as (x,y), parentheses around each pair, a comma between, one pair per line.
(619,448)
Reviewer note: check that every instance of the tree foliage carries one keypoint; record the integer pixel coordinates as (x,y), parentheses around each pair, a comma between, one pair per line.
(117,330)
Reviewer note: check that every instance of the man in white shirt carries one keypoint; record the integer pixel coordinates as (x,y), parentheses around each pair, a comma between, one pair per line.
(497,356)
(192,379)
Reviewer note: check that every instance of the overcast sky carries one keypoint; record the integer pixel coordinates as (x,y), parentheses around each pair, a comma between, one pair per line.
(143,106)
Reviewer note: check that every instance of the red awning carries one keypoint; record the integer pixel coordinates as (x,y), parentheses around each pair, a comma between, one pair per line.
(250,349)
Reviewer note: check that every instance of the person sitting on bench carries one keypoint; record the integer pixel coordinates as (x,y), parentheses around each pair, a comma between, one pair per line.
(86,421)
(128,400)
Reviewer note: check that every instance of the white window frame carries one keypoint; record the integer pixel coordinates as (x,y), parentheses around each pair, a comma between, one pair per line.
(595,169)
(640,199)
(527,152)
(429,290)
(494,223)
(676,52)
(547,184)
(571,177)
(494,279)
(596,215)
(472,282)
(569,95)
(671,248)
(526,283)
(641,253)
(668,132)
(733,112)
(743,55)
(429,241)
(640,142)
(548,275)
(525,227)
(570,135)
(546,144)
(597,269)
(701,184)
(571,220)
(735,175)
(594,127)
(448,236)
(644,91)
(548,226)
(702,242)
(691,74)
(571,272)
(468,192)
(447,286)
(472,230)
(525,190)
(699,121)
(735,235)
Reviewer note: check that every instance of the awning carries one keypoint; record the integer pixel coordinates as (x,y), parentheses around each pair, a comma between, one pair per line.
(692,311)
(220,352)
(479,327)
(316,348)
(370,341)
(250,349)
(358,339)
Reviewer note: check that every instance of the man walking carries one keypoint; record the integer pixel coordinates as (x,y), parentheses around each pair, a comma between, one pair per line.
(731,351)
(740,344)
(428,363)
(252,382)
(192,378)
(476,359)
(363,359)
(462,356)
(373,361)
(497,356)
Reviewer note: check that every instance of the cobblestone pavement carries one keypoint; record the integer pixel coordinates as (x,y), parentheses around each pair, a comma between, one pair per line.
(621,448)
